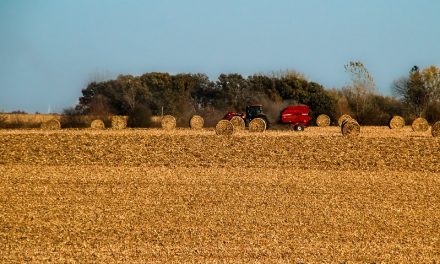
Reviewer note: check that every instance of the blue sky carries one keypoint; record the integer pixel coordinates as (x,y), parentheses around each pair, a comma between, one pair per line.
(51,49)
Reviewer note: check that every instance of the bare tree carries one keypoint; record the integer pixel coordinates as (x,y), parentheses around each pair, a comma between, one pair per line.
(362,84)
(420,89)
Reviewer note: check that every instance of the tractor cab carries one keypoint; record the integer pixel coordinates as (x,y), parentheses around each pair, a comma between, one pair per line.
(253,110)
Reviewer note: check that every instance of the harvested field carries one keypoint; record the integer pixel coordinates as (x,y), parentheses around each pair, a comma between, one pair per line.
(145,195)
(321,148)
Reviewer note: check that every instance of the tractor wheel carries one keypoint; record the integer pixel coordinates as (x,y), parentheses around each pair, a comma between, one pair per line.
(299,128)
(267,122)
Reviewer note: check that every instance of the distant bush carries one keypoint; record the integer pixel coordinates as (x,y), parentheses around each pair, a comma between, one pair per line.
(2,121)
(71,118)
(140,117)
(18,124)
(433,113)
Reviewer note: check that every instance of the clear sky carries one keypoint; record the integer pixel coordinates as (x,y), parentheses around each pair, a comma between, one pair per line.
(51,49)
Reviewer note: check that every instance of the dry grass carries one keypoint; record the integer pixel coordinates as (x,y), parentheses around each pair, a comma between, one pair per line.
(34,120)
(29,118)
(143,195)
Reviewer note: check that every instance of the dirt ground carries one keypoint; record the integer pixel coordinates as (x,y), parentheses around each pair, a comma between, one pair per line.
(191,196)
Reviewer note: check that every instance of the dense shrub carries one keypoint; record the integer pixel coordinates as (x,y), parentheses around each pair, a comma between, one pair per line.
(140,117)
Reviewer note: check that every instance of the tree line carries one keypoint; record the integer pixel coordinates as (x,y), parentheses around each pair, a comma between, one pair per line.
(186,94)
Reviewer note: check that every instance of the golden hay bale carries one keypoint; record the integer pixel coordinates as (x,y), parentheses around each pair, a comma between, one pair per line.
(257,125)
(196,122)
(52,124)
(435,130)
(119,122)
(97,124)
(397,122)
(238,123)
(168,122)
(224,127)
(347,120)
(420,125)
(323,120)
(156,119)
(350,128)
(342,118)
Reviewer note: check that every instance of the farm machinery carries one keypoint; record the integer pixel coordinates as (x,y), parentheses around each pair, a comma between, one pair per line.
(297,116)
(252,112)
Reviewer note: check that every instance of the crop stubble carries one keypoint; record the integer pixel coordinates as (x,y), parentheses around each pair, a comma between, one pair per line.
(146,195)
(309,150)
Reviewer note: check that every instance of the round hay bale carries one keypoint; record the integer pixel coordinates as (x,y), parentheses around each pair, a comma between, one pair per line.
(323,120)
(350,128)
(119,122)
(97,124)
(397,122)
(224,127)
(196,122)
(238,123)
(257,125)
(168,122)
(435,129)
(342,118)
(420,125)
(52,124)
(347,120)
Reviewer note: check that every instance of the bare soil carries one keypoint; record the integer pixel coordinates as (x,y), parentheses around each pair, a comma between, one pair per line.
(191,196)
